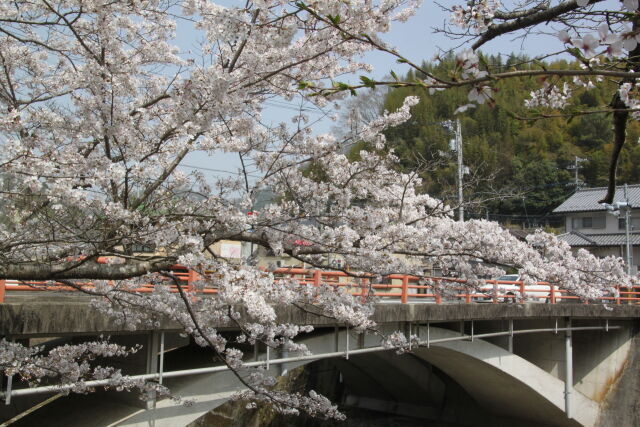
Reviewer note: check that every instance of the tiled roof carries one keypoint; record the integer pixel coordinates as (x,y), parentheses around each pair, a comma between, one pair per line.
(576,238)
(520,234)
(587,199)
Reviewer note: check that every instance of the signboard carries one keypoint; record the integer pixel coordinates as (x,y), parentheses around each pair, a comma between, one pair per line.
(231,250)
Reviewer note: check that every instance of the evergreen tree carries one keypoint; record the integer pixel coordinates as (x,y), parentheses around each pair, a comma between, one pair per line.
(507,151)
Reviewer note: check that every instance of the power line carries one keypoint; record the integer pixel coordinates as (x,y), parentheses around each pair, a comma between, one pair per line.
(290,107)
(217,170)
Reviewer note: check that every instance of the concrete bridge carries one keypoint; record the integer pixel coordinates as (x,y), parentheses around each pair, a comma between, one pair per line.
(528,364)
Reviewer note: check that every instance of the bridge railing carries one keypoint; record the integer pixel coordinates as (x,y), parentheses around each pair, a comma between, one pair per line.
(393,288)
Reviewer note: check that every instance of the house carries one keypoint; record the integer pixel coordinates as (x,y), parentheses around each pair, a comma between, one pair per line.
(591,226)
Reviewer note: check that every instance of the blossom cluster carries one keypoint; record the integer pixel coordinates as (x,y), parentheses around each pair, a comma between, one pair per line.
(72,366)
(399,342)
(612,43)
(549,96)
(476,15)
(469,64)
(614,39)
(630,95)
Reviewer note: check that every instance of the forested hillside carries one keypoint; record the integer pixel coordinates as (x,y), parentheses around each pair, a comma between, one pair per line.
(508,148)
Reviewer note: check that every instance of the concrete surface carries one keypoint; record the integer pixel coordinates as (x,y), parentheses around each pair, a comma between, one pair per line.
(501,382)
(28,316)
(506,383)
(621,406)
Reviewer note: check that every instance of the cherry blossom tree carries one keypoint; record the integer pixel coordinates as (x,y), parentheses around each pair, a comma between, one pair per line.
(100,107)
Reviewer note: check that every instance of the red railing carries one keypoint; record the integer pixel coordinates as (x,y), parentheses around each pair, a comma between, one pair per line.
(401,288)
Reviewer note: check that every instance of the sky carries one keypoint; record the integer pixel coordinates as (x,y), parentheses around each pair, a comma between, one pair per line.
(415,39)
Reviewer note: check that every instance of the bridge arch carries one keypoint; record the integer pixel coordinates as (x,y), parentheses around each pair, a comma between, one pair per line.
(500,381)
(497,380)
(506,383)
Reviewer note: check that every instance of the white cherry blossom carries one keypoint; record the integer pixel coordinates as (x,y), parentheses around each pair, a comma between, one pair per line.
(588,44)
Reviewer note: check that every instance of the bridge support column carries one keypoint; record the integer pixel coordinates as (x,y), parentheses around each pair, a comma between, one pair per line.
(510,337)
(153,348)
(7,399)
(161,357)
(568,367)
(8,389)
(346,334)
(428,334)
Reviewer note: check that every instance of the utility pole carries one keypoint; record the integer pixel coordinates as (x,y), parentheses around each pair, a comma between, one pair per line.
(456,145)
(616,209)
(458,133)
(576,168)
(627,230)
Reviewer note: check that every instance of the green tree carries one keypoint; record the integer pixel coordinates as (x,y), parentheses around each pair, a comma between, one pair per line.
(505,151)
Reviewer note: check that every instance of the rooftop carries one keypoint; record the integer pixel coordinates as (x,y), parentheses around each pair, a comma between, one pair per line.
(575,238)
(586,200)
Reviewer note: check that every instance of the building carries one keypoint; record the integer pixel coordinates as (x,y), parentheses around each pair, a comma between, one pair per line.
(590,225)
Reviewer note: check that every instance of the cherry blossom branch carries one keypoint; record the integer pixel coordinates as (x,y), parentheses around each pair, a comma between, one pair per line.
(528,20)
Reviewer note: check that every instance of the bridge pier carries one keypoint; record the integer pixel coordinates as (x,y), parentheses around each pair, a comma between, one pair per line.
(510,337)
(153,349)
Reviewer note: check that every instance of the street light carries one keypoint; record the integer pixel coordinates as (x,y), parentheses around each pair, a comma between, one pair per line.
(624,207)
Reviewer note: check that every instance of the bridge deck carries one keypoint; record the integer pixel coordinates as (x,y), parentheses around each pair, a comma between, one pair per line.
(73,314)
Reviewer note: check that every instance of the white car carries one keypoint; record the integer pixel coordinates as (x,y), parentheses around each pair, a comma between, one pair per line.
(508,289)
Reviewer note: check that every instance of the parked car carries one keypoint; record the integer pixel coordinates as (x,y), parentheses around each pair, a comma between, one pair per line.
(507,288)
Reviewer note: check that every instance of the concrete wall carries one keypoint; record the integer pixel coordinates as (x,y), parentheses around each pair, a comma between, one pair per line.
(621,407)
(610,222)
(50,314)
(598,356)
(506,383)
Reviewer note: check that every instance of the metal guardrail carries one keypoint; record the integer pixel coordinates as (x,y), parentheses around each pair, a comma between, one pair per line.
(398,288)
(439,290)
